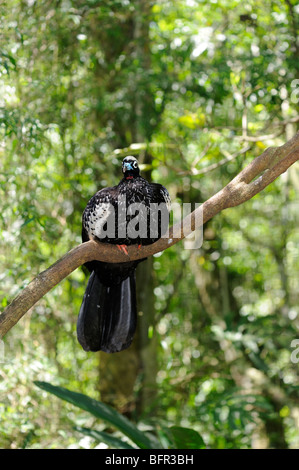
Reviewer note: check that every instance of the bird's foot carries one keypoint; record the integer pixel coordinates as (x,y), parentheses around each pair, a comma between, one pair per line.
(123,248)
(139,246)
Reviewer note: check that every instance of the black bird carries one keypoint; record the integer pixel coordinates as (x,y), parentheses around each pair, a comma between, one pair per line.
(133,212)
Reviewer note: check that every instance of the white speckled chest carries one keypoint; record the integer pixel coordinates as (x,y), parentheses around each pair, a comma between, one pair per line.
(108,212)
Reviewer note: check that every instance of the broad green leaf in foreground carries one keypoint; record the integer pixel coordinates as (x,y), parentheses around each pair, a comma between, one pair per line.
(185,438)
(99,410)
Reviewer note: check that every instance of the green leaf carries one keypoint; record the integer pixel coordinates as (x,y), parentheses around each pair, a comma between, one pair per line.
(99,410)
(192,121)
(100,436)
(185,438)
(27,221)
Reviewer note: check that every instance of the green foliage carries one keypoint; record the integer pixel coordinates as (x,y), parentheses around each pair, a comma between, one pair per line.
(177,437)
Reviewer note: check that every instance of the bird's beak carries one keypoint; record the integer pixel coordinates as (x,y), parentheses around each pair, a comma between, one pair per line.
(127,167)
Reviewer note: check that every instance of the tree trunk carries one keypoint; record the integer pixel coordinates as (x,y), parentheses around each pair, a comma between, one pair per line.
(147,338)
(119,373)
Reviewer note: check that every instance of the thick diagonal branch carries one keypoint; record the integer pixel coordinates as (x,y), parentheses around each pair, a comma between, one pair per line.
(262,171)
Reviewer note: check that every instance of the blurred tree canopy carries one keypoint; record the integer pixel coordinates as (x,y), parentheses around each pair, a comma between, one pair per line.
(195,89)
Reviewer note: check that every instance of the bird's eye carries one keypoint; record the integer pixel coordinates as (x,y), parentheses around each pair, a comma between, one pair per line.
(135,164)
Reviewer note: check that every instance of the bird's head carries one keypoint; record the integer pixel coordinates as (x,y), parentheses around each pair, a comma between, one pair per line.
(130,167)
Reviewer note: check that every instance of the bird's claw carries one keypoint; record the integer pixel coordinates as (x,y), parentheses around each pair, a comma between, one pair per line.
(123,248)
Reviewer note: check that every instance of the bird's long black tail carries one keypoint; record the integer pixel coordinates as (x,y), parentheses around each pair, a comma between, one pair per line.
(108,315)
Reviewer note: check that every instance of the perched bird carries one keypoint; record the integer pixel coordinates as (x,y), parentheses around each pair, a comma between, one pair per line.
(133,212)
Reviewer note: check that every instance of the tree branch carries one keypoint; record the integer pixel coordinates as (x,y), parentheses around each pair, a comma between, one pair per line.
(262,171)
